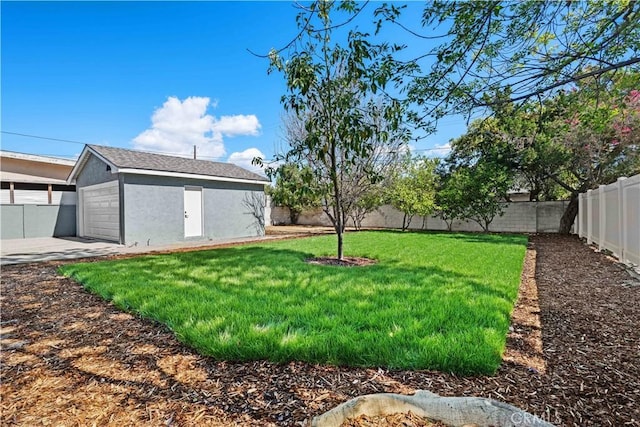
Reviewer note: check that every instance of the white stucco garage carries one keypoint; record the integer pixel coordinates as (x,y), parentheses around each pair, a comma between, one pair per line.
(145,199)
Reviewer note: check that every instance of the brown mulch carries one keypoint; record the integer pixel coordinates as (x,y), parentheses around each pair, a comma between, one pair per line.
(70,358)
(344,262)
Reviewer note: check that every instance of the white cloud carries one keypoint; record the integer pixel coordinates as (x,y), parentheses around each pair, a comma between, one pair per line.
(244,158)
(179,125)
(237,125)
(440,150)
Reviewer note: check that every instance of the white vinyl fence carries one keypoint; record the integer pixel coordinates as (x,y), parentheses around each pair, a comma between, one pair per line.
(610,218)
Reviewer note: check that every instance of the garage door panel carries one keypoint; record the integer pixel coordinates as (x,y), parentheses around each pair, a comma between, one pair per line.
(100,217)
(101,211)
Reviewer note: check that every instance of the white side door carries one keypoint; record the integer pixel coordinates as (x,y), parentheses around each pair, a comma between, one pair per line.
(192,211)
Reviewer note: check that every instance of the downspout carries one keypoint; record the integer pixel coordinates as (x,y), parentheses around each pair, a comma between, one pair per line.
(121,206)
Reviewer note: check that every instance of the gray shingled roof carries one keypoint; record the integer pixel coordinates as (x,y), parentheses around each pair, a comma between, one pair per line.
(130,159)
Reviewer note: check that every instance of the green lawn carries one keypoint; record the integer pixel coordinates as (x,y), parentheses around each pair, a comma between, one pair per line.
(433,301)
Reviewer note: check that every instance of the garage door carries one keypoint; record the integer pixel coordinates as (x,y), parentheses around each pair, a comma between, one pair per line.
(101,211)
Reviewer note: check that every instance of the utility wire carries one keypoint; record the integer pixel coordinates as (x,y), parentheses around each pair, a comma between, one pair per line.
(85,143)
(43,137)
(174,153)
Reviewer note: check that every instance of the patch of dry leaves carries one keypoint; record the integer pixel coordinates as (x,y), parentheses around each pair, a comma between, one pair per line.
(392,420)
(68,357)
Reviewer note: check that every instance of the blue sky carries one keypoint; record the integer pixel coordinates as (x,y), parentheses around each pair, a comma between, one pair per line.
(148,75)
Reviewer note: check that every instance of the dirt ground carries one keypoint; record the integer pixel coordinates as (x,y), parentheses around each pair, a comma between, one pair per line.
(70,358)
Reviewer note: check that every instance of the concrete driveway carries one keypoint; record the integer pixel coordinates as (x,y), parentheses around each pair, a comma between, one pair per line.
(19,251)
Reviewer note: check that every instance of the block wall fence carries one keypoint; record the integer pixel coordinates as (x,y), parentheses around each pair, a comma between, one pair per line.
(519,217)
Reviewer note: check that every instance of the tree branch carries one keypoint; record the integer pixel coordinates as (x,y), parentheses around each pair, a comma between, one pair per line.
(577,78)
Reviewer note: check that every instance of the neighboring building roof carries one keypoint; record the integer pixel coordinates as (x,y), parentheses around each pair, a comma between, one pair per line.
(30,178)
(37,158)
(138,162)
(32,168)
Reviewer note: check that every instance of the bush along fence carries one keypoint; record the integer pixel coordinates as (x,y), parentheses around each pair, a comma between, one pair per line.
(518,217)
(610,218)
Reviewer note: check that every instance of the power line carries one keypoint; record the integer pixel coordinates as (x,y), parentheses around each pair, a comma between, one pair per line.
(88,143)
(43,137)
(174,153)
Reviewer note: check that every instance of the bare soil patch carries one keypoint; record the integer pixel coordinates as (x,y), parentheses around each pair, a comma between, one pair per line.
(288,230)
(344,262)
(70,358)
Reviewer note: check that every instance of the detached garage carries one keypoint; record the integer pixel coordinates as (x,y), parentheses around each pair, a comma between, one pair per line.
(146,199)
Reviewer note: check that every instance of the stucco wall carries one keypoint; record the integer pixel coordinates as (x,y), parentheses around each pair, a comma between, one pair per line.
(94,172)
(154,210)
(519,217)
(25,221)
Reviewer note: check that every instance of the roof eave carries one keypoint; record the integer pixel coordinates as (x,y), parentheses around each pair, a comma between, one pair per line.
(190,175)
(115,169)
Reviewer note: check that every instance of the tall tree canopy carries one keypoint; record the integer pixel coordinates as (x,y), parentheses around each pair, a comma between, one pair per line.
(597,134)
(571,142)
(531,47)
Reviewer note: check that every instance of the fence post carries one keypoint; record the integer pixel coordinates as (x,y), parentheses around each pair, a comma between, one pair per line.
(589,217)
(622,219)
(603,217)
(580,215)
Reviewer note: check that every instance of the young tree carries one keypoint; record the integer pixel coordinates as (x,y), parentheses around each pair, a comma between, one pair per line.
(449,200)
(368,202)
(485,186)
(474,192)
(478,174)
(364,183)
(331,89)
(294,189)
(412,190)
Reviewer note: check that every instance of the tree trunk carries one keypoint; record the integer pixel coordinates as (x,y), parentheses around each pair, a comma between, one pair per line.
(569,215)
(338,211)
(293,216)
(406,221)
(534,194)
(487,223)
